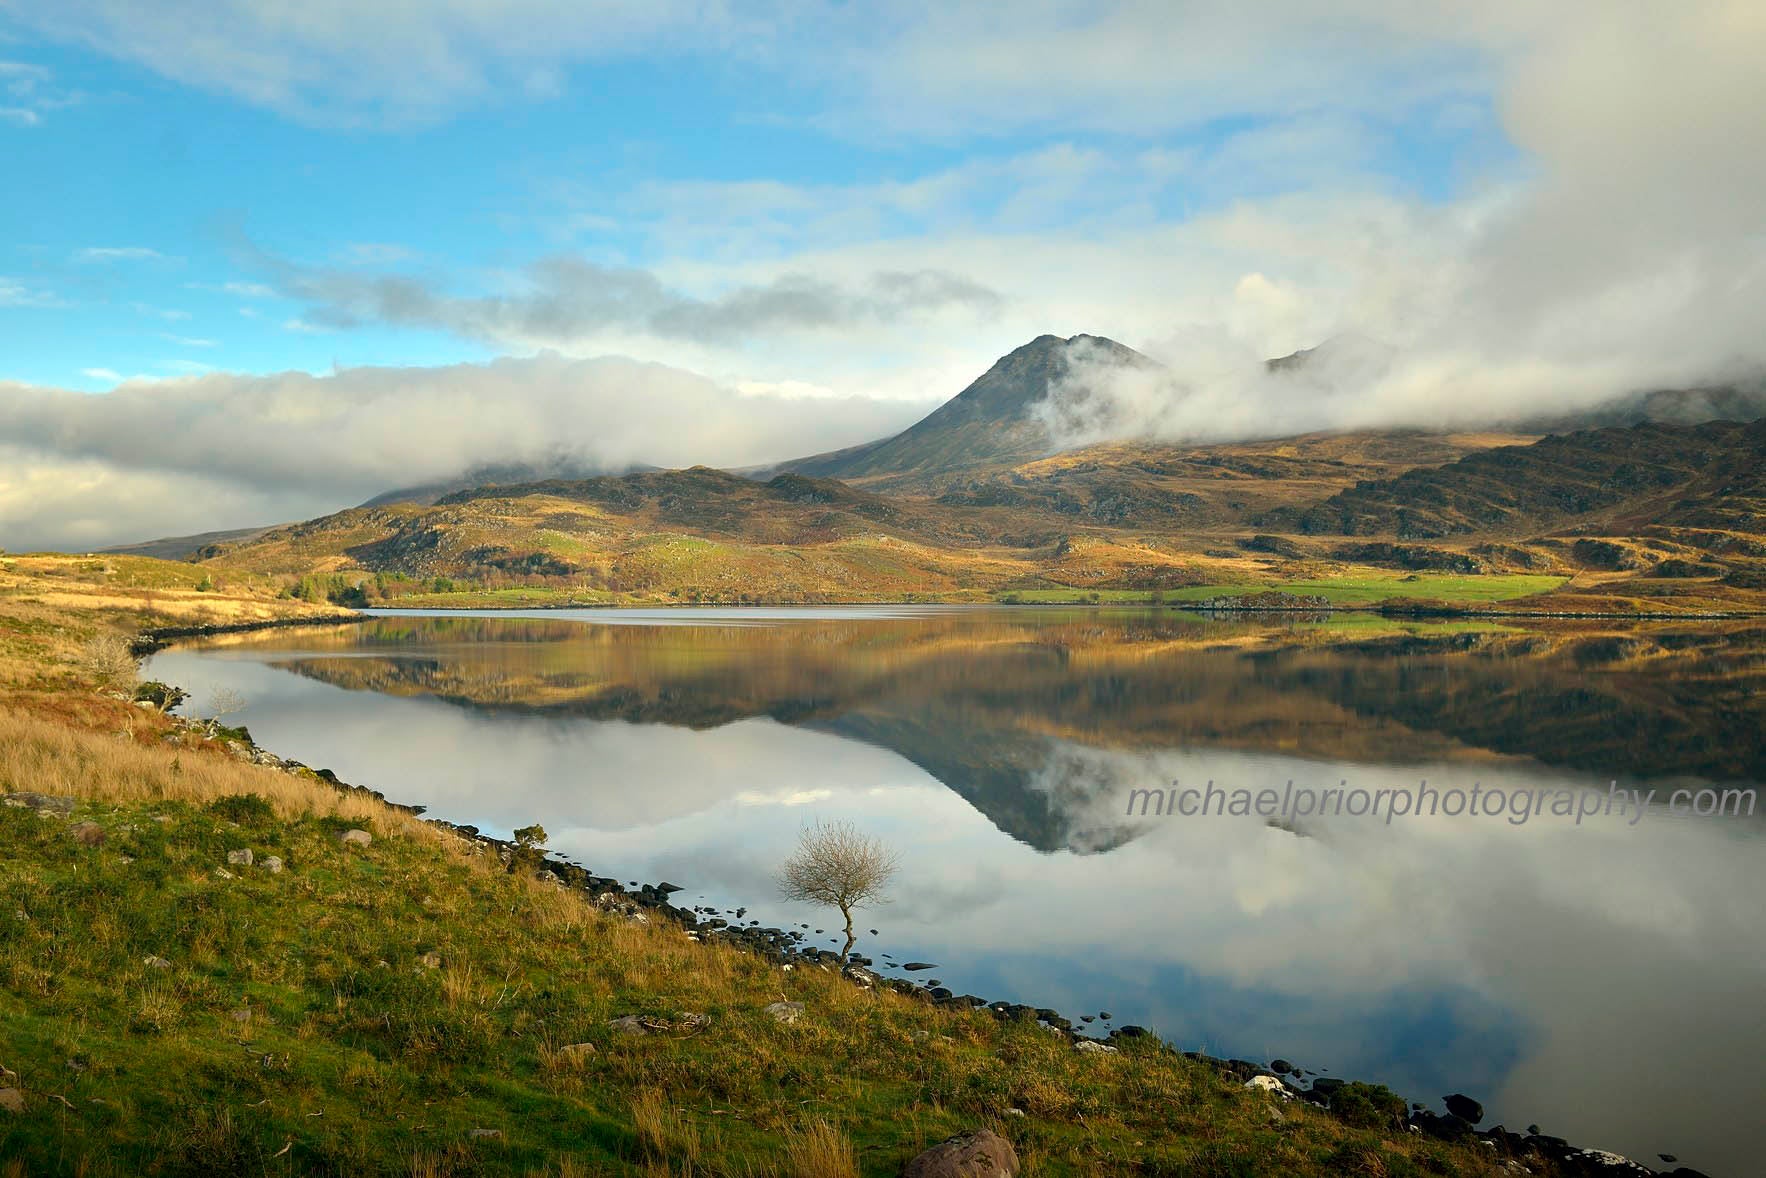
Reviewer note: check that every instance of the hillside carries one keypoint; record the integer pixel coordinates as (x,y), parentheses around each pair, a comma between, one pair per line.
(1650,474)
(1654,518)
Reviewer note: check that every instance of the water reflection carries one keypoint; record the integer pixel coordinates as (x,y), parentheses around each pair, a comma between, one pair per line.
(1598,978)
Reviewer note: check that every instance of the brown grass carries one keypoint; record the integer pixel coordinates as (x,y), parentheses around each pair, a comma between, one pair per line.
(819,1150)
(42,756)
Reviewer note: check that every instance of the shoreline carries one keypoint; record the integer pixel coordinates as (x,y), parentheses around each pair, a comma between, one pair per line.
(786,949)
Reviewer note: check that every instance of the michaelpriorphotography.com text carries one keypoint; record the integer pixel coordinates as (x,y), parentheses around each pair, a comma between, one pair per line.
(1516,806)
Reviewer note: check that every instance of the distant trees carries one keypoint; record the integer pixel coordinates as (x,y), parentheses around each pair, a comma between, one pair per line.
(838,867)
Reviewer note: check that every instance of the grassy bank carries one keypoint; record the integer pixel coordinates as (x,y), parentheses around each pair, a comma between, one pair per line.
(413,1006)
(376,1009)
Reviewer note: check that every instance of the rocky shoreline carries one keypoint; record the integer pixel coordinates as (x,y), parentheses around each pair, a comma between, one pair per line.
(647,903)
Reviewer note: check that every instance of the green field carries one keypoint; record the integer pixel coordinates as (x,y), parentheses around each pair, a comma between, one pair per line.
(1361,589)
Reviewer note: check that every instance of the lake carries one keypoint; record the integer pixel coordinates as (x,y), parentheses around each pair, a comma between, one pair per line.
(1597,972)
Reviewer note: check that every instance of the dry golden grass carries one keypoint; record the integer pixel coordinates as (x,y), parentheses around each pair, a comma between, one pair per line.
(819,1150)
(42,756)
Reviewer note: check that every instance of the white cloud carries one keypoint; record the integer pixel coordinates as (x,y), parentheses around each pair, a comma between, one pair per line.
(119,253)
(27,91)
(333,61)
(222,450)
(14,293)
(105,374)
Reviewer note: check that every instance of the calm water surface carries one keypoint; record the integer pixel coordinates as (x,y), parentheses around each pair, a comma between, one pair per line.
(1603,979)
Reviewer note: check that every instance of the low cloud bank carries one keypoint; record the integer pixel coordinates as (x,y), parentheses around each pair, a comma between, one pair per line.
(221,451)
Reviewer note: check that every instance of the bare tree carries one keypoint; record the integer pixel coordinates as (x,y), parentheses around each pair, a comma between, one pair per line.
(223,701)
(839,867)
(110,662)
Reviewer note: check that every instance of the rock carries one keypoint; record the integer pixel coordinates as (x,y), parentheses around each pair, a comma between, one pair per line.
(786,1012)
(1093,1047)
(156,963)
(485,1134)
(12,1100)
(1325,1085)
(1131,1031)
(981,1154)
(914,966)
(1283,1067)
(41,803)
(271,864)
(430,961)
(355,838)
(223,873)
(1604,1162)
(1464,1107)
(576,1054)
(628,1024)
(1271,1085)
(1447,1128)
(87,834)
(240,1016)
(240,858)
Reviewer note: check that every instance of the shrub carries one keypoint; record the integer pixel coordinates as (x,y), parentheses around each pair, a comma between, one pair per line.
(1367,1105)
(245,809)
(109,663)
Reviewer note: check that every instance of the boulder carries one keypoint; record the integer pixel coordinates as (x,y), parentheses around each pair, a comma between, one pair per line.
(1447,1128)
(355,838)
(12,1100)
(1604,1162)
(1271,1085)
(576,1054)
(430,961)
(1464,1107)
(981,1154)
(271,864)
(41,803)
(628,1024)
(156,963)
(1093,1047)
(786,1012)
(87,834)
(240,858)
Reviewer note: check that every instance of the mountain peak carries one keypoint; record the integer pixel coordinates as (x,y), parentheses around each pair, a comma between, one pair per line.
(990,421)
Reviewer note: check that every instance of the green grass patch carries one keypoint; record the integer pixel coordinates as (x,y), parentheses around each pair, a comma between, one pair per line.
(1360,589)
(376,1010)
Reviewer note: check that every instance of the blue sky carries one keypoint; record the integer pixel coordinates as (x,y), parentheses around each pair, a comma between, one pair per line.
(690,230)
(133,251)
